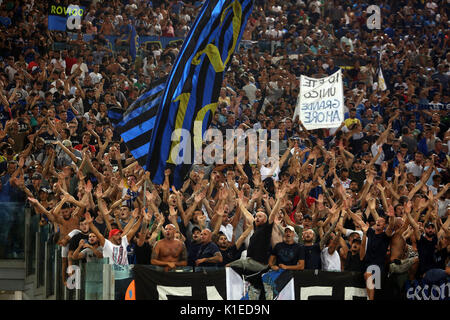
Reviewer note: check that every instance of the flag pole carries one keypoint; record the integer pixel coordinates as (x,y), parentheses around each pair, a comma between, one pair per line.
(145,193)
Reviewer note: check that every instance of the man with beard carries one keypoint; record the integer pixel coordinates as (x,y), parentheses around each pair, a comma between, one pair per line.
(90,250)
(311,250)
(68,221)
(399,261)
(288,254)
(209,254)
(192,245)
(82,233)
(232,251)
(114,248)
(374,248)
(428,268)
(351,257)
(259,247)
(169,252)
(258,251)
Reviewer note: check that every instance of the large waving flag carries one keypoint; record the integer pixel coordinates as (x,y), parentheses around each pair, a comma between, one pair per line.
(192,90)
(135,125)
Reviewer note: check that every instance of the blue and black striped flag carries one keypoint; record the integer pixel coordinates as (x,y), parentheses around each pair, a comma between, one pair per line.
(192,90)
(135,125)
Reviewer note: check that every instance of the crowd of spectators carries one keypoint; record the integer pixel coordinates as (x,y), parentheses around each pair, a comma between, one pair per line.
(372,192)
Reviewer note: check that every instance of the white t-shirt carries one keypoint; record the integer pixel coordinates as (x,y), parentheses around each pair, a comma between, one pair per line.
(374,149)
(265,173)
(117,254)
(412,167)
(330,262)
(96,77)
(227,230)
(443,206)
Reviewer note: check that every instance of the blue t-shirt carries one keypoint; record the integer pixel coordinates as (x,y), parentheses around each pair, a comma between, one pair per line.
(207,251)
(288,254)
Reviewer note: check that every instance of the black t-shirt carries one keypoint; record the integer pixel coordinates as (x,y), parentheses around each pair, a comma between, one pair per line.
(101,227)
(427,253)
(230,254)
(192,249)
(312,257)
(441,257)
(377,245)
(288,254)
(358,176)
(143,253)
(353,263)
(75,240)
(259,245)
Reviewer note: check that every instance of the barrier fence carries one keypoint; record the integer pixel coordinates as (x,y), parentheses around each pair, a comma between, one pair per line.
(102,281)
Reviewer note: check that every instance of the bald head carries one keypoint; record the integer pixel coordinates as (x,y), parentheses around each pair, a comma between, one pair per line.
(206,236)
(260,218)
(169,231)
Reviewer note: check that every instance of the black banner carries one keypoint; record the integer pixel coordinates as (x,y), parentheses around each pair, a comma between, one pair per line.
(155,285)
(324,285)
(307,285)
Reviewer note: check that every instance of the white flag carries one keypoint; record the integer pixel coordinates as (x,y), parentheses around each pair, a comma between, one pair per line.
(320,102)
(381,82)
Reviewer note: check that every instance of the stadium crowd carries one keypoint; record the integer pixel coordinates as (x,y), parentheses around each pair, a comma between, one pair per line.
(374,191)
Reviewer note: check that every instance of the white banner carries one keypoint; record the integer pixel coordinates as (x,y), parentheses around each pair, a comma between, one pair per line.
(320,102)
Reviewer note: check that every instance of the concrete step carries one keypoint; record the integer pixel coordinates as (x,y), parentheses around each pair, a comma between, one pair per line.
(12,275)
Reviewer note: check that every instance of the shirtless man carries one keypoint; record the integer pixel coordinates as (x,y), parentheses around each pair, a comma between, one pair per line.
(68,220)
(399,261)
(169,252)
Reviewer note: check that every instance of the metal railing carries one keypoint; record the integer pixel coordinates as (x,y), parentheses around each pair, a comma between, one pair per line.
(43,268)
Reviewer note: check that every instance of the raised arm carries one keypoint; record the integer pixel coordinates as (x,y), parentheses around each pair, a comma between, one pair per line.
(276,208)
(134,229)
(40,208)
(77,255)
(94,229)
(426,175)
(244,234)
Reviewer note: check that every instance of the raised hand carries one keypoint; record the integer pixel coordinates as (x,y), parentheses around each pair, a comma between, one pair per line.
(202,220)
(390,212)
(380,187)
(408,206)
(256,195)
(87,218)
(135,213)
(33,200)
(220,211)
(320,205)
(372,203)
(149,196)
(384,167)
(147,216)
(281,193)
(397,172)
(200,196)
(98,191)
(223,193)
(173,212)
(88,186)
